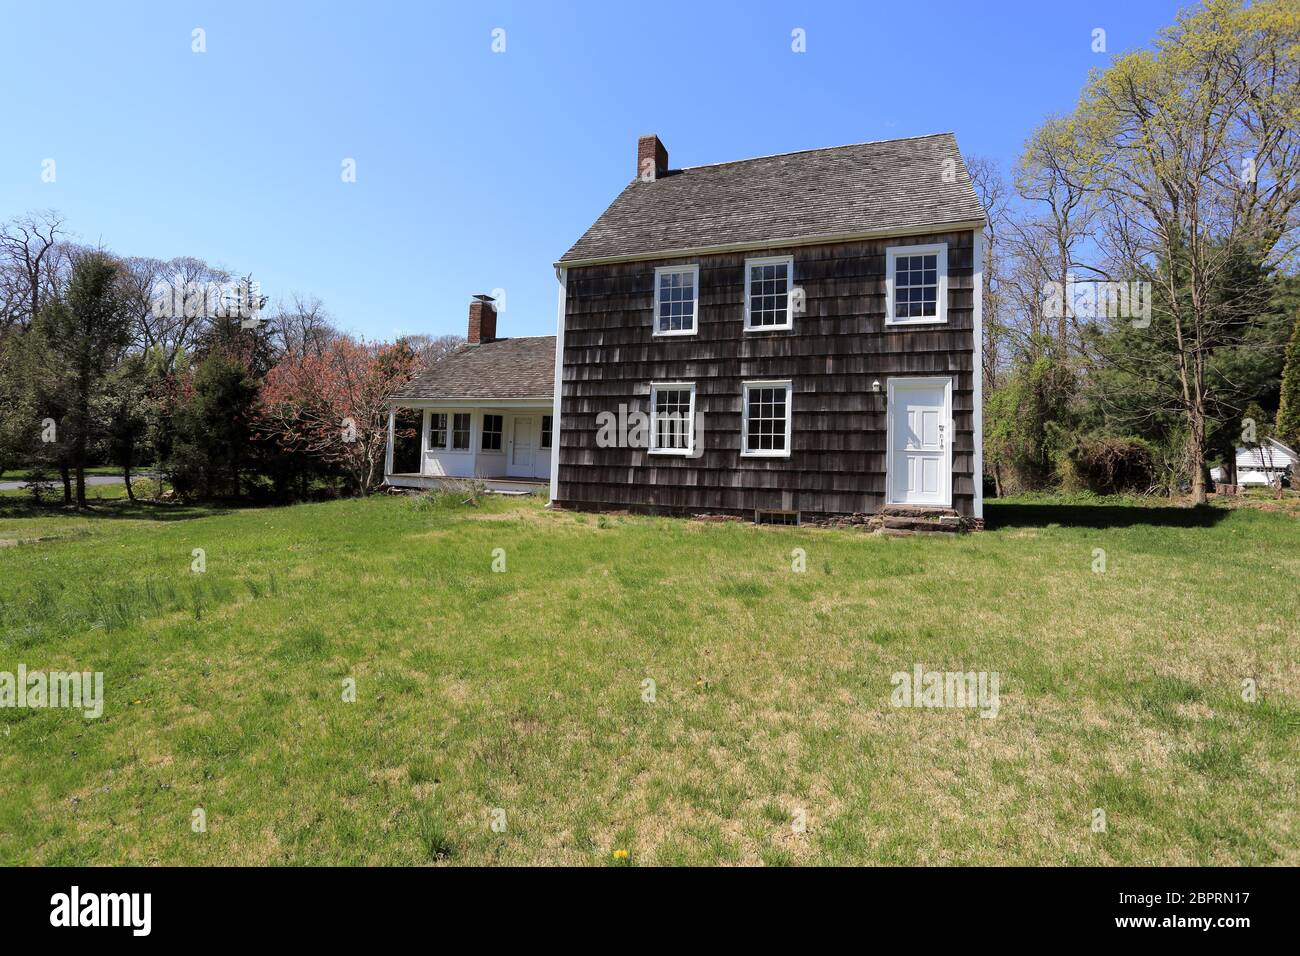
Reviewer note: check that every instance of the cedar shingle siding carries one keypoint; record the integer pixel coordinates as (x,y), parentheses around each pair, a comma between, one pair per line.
(836,349)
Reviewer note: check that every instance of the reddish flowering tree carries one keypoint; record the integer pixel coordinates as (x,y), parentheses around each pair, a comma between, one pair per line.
(330,405)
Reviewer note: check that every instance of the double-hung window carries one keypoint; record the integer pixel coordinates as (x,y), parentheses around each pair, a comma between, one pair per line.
(437,430)
(460,431)
(916,284)
(765,419)
(677,300)
(768,285)
(493,426)
(546,431)
(672,418)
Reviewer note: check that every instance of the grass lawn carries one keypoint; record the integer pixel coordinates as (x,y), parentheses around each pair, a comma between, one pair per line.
(20,474)
(517,697)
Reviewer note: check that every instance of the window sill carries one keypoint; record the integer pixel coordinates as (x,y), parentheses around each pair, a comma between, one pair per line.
(678,333)
(672,452)
(788,327)
(764,454)
(893,322)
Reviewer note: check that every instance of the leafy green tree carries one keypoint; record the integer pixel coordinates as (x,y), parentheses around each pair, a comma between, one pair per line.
(76,340)
(212,418)
(1193,150)
(127,412)
(1027,423)
(1288,415)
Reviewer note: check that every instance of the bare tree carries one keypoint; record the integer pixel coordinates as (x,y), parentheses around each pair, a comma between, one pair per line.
(179,306)
(303,328)
(430,350)
(30,264)
(995,195)
(1050,239)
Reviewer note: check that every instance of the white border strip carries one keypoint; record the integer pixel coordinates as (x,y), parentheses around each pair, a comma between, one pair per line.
(563,275)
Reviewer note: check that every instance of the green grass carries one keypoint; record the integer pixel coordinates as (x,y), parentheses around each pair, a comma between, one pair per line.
(20,474)
(522,691)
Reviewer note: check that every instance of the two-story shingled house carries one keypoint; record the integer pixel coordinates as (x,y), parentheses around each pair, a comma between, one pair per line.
(795,335)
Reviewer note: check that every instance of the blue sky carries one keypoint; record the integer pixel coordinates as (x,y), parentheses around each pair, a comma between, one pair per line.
(477,170)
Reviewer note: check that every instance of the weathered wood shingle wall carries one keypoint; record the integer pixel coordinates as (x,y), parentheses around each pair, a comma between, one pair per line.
(837,348)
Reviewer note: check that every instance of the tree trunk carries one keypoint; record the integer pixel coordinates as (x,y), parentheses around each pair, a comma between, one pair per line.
(81,485)
(67,482)
(126,477)
(1196,455)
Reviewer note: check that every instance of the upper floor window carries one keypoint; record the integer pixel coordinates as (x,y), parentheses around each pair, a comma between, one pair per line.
(916,284)
(765,425)
(493,425)
(672,418)
(677,297)
(768,285)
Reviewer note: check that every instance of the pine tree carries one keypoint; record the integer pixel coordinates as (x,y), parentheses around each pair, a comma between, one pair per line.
(1288,413)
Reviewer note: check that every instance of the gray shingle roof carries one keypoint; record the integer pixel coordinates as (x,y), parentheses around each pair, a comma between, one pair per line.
(843,190)
(522,367)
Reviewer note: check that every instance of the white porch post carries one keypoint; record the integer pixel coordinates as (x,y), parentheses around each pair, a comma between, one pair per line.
(563,276)
(388,453)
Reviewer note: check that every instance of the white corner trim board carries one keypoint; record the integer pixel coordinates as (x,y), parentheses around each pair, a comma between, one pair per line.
(562,275)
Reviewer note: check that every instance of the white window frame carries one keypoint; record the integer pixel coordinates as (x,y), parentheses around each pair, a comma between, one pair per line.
(694,270)
(448,447)
(789,291)
(940,250)
(482,431)
(428,430)
(451,433)
(653,438)
(745,451)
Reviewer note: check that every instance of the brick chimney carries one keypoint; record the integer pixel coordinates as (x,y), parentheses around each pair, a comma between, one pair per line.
(651,158)
(482,320)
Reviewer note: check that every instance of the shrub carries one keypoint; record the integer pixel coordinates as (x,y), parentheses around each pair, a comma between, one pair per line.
(1109,465)
(452,493)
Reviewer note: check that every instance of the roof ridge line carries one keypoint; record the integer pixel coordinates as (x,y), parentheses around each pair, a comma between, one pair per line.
(819,149)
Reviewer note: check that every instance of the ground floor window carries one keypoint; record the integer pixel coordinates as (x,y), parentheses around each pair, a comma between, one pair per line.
(546,431)
(672,418)
(437,430)
(765,428)
(493,426)
(460,431)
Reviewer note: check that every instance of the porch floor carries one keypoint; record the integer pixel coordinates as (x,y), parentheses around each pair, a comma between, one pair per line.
(500,484)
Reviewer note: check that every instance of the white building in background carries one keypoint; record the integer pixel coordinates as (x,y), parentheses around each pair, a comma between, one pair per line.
(1262,464)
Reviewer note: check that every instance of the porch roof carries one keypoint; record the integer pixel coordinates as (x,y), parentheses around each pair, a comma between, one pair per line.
(519,369)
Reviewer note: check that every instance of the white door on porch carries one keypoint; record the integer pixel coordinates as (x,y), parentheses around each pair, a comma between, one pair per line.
(920,451)
(522,442)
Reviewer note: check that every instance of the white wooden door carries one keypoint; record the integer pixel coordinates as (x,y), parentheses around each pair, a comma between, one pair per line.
(521,447)
(920,453)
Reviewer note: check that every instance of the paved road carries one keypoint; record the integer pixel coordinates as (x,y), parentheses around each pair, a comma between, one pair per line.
(90,480)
